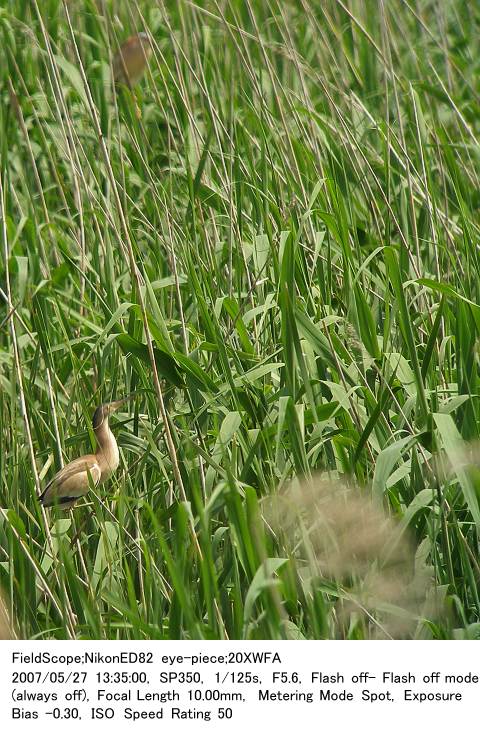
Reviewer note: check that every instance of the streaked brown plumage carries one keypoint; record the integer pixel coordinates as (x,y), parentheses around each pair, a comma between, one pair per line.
(131,60)
(73,480)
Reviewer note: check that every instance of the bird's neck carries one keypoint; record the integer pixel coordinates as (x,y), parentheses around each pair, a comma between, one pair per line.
(107,450)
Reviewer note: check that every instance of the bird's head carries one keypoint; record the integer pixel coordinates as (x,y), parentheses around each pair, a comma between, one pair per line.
(141,43)
(145,39)
(130,61)
(144,45)
(103,412)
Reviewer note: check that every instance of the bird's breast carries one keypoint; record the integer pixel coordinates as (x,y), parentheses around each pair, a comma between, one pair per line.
(108,457)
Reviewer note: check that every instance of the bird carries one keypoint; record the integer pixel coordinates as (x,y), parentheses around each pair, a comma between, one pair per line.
(74,480)
(131,60)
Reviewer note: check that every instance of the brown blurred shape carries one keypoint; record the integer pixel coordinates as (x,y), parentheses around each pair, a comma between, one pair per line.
(131,60)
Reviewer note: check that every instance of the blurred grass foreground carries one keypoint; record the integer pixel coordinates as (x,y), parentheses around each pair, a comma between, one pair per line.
(272,238)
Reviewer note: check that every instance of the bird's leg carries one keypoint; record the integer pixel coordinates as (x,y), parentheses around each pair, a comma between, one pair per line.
(79,531)
(138,111)
(136,106)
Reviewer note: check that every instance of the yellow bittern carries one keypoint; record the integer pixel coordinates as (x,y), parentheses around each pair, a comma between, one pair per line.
(130,61)
(73,480)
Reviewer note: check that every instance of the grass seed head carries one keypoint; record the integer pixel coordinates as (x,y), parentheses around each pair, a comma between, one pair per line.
(338,534)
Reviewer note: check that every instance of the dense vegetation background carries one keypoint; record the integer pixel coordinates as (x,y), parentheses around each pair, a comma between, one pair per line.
(287,209)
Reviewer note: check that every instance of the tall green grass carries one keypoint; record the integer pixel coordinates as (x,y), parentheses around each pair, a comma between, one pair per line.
(281,222)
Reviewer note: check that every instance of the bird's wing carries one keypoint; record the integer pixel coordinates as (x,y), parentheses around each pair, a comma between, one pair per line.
(72,481)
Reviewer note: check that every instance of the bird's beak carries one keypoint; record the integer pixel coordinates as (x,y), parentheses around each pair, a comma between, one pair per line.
(112,406)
